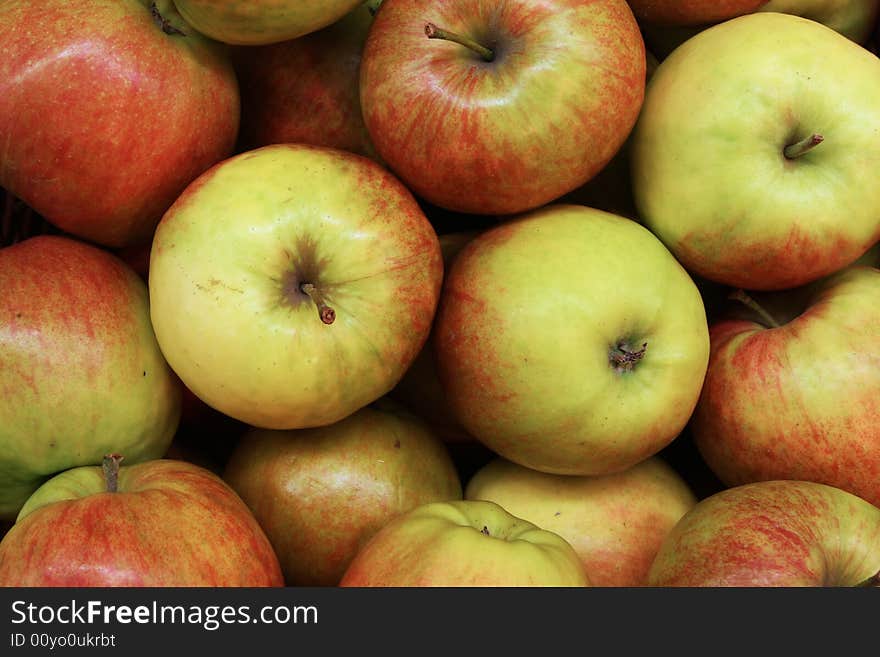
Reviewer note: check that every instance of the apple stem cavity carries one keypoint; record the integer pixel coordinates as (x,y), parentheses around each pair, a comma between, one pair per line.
(745,299)
(624,359)
(163,22)
(373,6)
(795,150)
(110,466)
(325,312)
(434,32)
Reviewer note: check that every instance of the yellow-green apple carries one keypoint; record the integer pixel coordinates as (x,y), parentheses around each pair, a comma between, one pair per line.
(755,188)
(616,523)
(305,90)
(81,372)
(107,110)
(783,533)
(419,389)
(794,392)
(158,523)
(261,22)
(467,543)
(292,285)
(691,12)
(495,108)
(570,340)
(320,494)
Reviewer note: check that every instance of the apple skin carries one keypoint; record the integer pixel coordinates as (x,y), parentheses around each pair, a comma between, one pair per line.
(853,19)
(305,90)
(799,401)
(420,389)
(320,494)
(170,523)
(479,137)
(531,318)
(104,118)
(81,372)
(237,247)
(772,534)
(469,543)
(749,216)
(691,12)
(616,523)
(261,22)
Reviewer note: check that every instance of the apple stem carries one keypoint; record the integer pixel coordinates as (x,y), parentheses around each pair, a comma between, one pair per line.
(163,22)
(110,466)
(373,6)
(742,297)
(872,581)
(803,146)
(434,32)
(325,312)
(624,359)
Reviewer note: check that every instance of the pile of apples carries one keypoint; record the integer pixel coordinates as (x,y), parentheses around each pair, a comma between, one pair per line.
(440,293)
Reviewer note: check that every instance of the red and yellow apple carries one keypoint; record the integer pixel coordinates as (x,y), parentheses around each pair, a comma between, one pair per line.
(616,523)
(470,543)
(320,494)
(155,524)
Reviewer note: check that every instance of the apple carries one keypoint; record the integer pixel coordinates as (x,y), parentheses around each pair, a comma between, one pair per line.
(852,18)
(155,524)
(321,493)
(419,389)
(783,533)
(471,543)
(569,340)
(691,12)
(794,392)
(755,188)
(261,22)
(305,90)
(614,522)
(292,285)
(611,188)
(107,111)
(496,109)
(81,372)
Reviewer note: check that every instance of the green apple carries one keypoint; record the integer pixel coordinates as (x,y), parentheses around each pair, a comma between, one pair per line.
(81,372)
(320,494)
(260,22)
(616,523)
(570,340)
(292,285)
(794,392)
(753,155)
(468,543)
(775,533)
